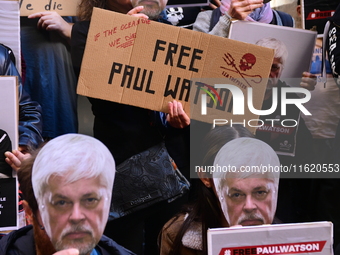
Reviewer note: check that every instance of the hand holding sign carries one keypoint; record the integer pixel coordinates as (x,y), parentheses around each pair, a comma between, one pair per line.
(308,81)
(53,21)
(136,12)
(15,158)
(177,117)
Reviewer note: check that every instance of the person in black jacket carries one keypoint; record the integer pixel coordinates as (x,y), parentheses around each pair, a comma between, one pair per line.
(65,214)
(128,130)
(332,47)
(333,50)
(30,124)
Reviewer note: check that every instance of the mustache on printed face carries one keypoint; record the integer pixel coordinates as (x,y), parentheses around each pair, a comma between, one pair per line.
(76,229)
(251,217)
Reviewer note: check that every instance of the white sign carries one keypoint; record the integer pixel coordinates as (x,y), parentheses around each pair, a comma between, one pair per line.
(299,238)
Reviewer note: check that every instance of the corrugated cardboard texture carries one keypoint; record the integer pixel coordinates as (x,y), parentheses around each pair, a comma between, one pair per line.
(63,7)
(121,50)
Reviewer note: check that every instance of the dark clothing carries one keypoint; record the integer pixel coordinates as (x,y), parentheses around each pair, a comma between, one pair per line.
(333,44)
(21,242)
(292,204)
(127,130)
(50,78)
(332,185)
(303,138)
(182,16)
(279,18)
(30,124)
(282,19)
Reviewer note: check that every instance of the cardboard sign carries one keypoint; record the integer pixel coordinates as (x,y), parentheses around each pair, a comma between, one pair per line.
(301,238)
(315,13)
(63,7)
(147,64)
(8,204)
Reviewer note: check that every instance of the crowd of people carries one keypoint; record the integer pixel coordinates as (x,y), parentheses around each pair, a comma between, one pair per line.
(67,179)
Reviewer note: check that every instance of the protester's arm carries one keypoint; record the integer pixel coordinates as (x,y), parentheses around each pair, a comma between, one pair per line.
(238,9)
(30,123)
(50,21)
(202,24)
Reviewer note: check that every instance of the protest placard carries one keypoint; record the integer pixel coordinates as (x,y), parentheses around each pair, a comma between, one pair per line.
(299,43)
(315,13)
(300,238)
(9,123)
(8,204)
(63,7)
(147,64)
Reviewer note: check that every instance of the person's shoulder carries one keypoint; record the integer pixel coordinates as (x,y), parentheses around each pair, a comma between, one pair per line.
(19,241)
(204,14)
(336,16)
(283,19)
(176,220)
(4,53)
(172,227)
(3,49)
(110,247)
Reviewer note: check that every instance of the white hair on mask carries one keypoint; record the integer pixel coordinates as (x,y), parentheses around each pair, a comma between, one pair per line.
(73,157)
(280,48)
(245,154)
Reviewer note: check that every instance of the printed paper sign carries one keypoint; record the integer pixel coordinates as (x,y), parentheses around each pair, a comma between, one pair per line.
(8,204)
(277,239)
(315,13)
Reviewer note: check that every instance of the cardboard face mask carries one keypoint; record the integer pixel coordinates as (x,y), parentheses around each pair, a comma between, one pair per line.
(247,196)
(75,214)
(247,201)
